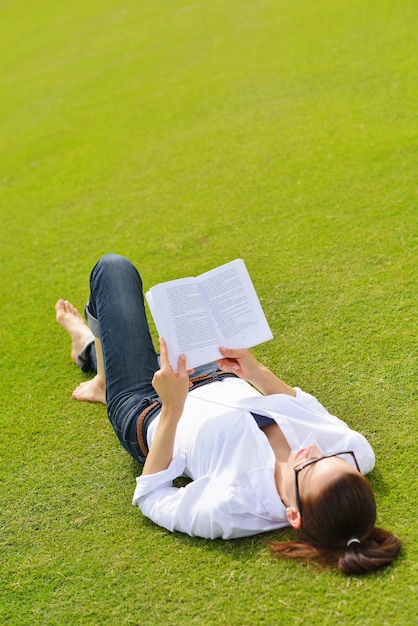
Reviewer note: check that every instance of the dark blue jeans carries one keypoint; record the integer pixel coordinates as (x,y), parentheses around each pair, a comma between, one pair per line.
(116,314)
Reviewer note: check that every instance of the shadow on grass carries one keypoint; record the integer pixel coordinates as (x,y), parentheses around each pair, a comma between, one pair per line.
(378,483)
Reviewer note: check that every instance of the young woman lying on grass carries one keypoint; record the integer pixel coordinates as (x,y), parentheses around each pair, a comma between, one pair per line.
(258,460)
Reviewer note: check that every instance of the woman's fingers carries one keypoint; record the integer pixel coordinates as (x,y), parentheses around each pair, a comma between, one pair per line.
(163,352)
(230,353)
(181,366)
(228,364)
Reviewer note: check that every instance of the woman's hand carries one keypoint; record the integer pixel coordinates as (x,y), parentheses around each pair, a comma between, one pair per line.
(171,387)
(239,362)
(245,365)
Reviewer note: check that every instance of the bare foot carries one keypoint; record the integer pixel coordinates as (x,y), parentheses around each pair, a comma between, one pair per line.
(92,390)
(70,319)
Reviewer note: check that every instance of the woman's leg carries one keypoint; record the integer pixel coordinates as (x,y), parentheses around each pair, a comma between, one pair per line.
(116,315)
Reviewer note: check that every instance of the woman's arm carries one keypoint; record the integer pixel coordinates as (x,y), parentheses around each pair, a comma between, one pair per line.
(245,365)
(172,389)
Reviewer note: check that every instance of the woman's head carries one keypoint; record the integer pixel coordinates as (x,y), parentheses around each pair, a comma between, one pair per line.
(332,505)
(310,479)
(344,509)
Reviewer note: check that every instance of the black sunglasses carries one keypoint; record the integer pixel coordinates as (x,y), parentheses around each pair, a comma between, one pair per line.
(298,468)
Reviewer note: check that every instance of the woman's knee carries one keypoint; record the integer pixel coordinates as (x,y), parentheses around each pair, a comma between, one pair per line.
(111,261)
(115,265)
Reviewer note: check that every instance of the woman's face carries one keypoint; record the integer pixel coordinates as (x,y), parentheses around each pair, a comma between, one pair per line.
(312,478)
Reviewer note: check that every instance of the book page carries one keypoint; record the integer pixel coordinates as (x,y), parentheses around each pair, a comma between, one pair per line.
(234,306)
(182,320)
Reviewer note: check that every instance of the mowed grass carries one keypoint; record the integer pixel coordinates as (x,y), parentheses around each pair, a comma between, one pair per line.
(183,135)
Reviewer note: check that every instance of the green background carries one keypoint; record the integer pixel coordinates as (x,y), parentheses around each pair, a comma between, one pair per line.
(183,135)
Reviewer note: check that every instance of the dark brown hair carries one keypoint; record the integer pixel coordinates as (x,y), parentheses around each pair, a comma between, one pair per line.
(345,510)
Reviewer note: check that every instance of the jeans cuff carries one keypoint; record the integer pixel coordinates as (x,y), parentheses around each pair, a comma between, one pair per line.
(83,359)
(92,322)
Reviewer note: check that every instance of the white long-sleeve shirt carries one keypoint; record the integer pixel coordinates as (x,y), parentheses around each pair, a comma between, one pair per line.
(231,463)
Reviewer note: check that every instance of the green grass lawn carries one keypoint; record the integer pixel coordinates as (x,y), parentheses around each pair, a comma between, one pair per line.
(184,134)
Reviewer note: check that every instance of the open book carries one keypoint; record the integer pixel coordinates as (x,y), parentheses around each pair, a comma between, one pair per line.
(196,316)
